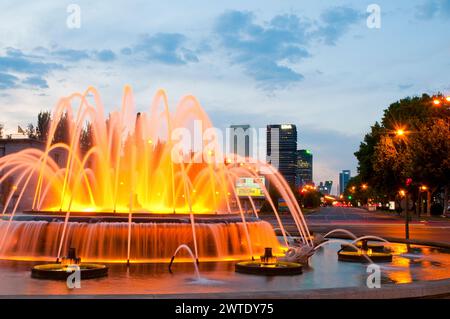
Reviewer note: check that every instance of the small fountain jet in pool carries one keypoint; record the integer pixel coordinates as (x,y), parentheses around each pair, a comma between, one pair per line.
(198,279)
(269,265)
(68,265)
(359,249)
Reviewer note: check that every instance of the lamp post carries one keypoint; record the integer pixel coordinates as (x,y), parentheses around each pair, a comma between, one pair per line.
(422,189)
(401,133)
(404,194)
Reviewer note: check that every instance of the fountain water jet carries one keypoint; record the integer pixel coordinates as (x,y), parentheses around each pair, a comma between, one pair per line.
(130,170)
(191,254)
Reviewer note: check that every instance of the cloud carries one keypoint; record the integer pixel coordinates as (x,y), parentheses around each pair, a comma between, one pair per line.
(267,51)
(36,81)
(16,61)
(335,22)
(166,48)
(405,86)
(71,54)
(433,8)
(105,55)
(261,49)
(7,81)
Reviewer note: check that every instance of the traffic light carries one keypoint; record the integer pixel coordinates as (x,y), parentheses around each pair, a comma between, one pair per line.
(350,197)
(409,181)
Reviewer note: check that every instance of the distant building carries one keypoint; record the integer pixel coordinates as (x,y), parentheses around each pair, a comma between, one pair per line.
(282,148)
(325,187)
(9,146)
(241,140)
(13,145)
(344,177)
(304,170)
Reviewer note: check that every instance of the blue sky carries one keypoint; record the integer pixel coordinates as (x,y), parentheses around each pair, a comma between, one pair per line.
(312,63)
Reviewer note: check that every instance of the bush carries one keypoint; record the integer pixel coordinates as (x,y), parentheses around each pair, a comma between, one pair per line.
(436,209)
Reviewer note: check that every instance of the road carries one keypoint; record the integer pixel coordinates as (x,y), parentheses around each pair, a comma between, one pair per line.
(361,222)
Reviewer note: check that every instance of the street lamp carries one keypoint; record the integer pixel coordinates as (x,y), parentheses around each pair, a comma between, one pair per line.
(364,186)
(403,194)
(439,100)
(425,188)
(400,132)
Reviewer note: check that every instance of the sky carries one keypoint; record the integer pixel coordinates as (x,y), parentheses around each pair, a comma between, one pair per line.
(315,64)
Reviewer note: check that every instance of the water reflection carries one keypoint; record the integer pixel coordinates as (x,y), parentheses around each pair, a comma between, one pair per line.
(325,271)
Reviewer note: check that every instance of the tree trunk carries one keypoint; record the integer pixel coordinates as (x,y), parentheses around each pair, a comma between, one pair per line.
(444,211)
(428,203)
(407,216)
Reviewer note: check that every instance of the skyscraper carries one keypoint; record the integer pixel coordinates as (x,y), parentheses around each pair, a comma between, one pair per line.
(344,177)
(240,140)
(281,149)
(325,187)
(304,167)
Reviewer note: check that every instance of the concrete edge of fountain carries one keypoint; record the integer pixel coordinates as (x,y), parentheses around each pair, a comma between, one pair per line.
(425,289)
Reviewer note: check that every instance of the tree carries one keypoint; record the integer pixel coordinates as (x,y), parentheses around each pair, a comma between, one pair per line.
(31,132)
(86,138)
(389,164)
(62,134)
(1,130)
(366,152)
(429,159)
(5,190)
(382,157)
(43,125)
(311,199)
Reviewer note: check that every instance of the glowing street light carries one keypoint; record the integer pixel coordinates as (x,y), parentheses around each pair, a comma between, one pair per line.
(400,132)
(447,98)
(402,193)
(436,102)
(364,186)
(423,188)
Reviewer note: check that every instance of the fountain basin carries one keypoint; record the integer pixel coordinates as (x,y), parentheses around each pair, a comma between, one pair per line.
(61,271)
(359,256)
(373,246)
(280,268)
(153,238)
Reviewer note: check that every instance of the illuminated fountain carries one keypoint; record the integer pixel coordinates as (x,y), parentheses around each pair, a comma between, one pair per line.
(138,192)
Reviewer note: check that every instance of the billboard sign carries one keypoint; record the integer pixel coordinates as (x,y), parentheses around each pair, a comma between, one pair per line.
(249,186)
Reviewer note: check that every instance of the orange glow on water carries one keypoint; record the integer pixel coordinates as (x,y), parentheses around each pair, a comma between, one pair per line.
(153,242)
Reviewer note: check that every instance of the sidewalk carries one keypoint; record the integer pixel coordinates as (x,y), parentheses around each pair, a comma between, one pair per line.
(413,216)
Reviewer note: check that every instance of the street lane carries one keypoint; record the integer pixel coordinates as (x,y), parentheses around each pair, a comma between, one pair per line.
(361,222)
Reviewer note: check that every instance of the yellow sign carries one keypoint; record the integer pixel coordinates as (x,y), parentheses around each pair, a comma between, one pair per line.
(248,186)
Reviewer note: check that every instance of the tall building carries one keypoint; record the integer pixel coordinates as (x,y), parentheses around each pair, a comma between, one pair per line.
(282,148)
(325,187)
(344,177)
(240,140)
(304,172)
